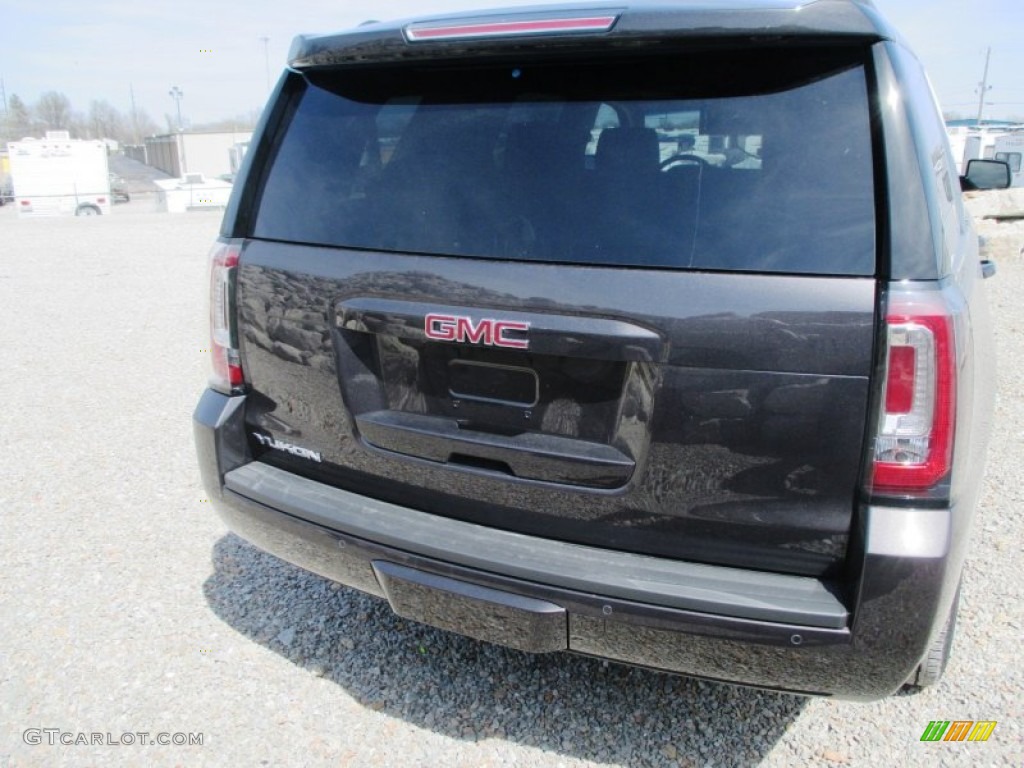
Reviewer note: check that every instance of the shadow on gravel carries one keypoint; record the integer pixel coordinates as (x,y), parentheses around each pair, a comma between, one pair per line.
(465,689)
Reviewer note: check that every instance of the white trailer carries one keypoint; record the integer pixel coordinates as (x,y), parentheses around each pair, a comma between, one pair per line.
(1009,147)
(970,143)
(60,176)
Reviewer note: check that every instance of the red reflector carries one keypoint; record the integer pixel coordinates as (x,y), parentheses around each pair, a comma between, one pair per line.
(508,28)
(101,200)
(26,202)
(899,392)
(228,258)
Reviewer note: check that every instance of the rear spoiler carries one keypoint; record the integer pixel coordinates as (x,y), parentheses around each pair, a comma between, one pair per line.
(572,28)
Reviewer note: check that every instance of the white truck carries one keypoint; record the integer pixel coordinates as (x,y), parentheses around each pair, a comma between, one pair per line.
(1009,148)
(192,192)
(60,176)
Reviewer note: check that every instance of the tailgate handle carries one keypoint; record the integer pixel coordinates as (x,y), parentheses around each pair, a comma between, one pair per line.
(528,455)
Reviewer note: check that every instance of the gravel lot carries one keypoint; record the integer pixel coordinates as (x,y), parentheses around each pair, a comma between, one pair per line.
(126,607)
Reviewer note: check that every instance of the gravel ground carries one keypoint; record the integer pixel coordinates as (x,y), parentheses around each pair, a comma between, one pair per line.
(126,607)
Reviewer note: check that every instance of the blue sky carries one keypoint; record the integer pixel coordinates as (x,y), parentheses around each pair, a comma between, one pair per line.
(212,50)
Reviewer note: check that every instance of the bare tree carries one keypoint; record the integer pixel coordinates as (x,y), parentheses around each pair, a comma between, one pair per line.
(19,119)
(145,125)
(105,122)
(54,110)
(242,122)
(78,126)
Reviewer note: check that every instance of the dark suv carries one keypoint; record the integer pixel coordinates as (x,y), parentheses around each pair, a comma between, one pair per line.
(655,333)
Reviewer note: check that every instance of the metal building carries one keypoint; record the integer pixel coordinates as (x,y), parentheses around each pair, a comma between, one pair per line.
(208,153)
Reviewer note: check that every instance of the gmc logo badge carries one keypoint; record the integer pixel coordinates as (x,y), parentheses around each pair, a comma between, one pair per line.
(494,333)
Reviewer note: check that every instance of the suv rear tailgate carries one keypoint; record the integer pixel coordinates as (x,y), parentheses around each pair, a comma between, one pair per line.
(737,434)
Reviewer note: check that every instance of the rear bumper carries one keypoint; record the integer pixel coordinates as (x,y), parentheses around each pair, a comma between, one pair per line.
(768,630)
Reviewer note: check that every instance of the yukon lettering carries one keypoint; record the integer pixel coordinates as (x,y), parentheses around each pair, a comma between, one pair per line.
(294,450)
(485,331)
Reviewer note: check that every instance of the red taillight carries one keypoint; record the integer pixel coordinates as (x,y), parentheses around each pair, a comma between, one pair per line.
(913,446)
(227,366)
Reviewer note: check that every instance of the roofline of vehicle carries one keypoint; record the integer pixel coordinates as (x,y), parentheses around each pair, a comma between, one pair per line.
(647,24)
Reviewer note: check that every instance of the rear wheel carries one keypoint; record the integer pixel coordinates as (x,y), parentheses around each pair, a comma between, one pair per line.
(932,666)
(87,210)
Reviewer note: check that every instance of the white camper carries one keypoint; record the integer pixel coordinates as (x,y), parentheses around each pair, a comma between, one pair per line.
(60,176)
(971,143)
(1009,147)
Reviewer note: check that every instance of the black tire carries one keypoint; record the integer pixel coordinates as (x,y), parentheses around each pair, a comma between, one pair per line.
(934,663)
(87,210)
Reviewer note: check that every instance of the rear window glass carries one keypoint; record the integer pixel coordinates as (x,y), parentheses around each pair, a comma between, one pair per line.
(756,161)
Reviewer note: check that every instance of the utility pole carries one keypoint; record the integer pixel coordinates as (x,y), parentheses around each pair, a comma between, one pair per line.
(985,87)
(176,94)
(3,92)
(135,116)
(266,58)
